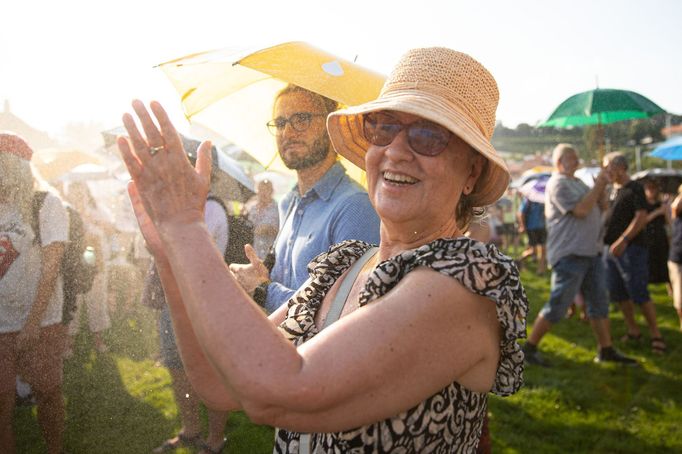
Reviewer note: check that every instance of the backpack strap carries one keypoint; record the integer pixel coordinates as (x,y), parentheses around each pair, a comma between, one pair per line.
(36,206)
(335,312)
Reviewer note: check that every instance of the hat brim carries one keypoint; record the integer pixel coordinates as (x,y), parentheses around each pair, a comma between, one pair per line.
(346,132)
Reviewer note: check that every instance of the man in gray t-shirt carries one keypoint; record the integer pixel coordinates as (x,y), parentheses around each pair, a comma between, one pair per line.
(568,233)
(573,221)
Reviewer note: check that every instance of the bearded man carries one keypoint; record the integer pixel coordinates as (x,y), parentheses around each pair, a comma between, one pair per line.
(324,208)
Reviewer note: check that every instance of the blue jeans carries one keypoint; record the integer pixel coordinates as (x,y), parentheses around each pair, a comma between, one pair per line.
(573,274)
(627,276)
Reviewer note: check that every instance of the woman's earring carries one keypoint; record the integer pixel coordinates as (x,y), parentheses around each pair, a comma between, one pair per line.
(467,190)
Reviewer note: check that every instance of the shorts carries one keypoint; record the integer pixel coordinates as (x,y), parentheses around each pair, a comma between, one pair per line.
(627,276)
(507,229)
(41,366)
(536,237)
(573,274)
(170,356)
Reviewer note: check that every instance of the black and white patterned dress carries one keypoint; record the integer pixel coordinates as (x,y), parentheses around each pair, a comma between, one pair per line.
(451,419)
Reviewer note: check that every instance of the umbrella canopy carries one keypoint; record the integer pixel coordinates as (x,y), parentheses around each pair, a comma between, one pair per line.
(668,179)
(233,182)
(669,150)
(534,190)
(602,106)
(588,174)
(531,174)
(232,91)
(52,163)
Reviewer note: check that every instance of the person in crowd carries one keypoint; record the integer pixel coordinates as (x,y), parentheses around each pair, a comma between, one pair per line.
(324,208)
(574,246)
(675,256)
(508,230)
(96,301)
(261,210)
(531,218)
(658,218)
(32,243)
(187,400)
(430,322)
(627,255)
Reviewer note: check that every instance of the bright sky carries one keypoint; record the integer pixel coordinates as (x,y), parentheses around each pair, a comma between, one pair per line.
(83,61)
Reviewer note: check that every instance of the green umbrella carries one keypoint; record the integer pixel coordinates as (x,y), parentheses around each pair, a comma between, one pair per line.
(602,106)
(599,107)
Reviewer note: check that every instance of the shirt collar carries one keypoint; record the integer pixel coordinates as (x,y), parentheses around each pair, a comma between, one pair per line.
(324,188)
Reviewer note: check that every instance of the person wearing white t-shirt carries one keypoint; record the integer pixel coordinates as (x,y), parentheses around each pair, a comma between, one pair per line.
(31,299)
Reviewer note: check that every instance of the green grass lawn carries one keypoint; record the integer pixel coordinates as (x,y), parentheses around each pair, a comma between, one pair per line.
(121,401)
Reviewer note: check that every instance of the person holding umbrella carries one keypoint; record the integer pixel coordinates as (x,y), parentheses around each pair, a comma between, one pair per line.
(432,318)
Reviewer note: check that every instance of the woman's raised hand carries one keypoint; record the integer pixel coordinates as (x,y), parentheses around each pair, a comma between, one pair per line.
(170,189)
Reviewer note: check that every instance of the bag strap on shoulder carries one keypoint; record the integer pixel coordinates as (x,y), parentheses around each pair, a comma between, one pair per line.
(335,312)
(341,296)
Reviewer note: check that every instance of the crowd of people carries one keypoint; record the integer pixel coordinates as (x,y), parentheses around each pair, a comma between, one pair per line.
(421,311)
(604,244)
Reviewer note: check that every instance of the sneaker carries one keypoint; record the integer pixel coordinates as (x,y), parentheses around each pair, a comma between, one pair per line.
(611,355)
(533,356)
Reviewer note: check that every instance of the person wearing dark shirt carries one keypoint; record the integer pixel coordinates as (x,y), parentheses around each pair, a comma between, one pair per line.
(658,217)
(627,255)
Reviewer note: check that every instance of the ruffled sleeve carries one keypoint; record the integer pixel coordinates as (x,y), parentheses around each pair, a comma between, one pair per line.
(482,269)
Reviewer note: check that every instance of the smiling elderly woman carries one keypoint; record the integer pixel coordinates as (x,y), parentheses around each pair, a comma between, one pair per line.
(428,321)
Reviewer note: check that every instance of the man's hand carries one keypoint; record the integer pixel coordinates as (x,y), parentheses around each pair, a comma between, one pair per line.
(28,336)
(602,179)
(618,247)
(253,274)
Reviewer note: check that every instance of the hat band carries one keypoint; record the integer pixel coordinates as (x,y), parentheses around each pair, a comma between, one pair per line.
(439,95)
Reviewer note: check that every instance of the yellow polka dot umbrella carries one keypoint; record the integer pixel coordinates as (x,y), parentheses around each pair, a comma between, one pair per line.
(232,91)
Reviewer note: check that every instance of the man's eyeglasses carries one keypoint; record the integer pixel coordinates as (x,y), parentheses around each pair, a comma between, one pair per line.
(424,137)
(300,121)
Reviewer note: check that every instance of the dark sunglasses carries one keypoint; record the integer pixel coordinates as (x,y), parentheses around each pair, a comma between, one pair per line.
(424,137)
(300,121)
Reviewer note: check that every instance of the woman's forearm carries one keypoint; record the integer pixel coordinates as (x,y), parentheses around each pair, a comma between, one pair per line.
(244,346)
(204,378)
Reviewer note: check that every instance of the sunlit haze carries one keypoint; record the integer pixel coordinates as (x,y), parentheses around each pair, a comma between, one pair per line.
(83,61)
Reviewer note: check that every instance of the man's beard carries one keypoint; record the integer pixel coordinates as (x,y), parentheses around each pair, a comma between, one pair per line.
(316,154)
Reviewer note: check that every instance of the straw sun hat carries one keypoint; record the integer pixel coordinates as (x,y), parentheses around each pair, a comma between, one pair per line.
(441,85)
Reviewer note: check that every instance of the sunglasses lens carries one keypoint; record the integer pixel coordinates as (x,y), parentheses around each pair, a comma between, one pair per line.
(380,129)
(427,138)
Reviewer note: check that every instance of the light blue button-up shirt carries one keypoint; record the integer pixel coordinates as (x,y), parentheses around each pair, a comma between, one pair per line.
(334,210)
